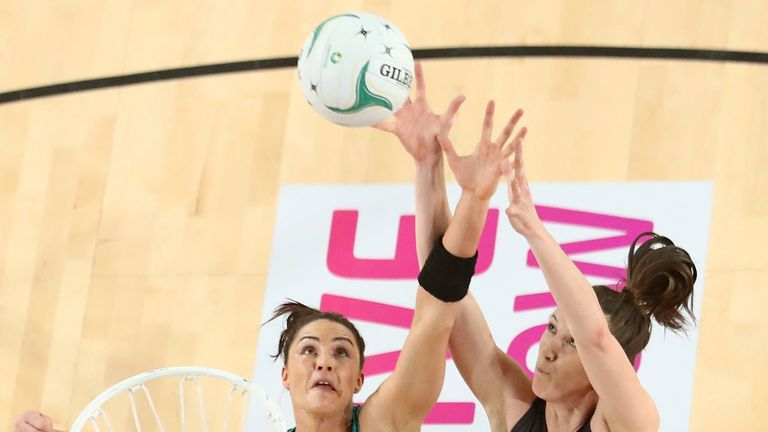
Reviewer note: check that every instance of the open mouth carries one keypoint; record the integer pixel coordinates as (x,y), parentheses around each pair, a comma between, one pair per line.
(324,385)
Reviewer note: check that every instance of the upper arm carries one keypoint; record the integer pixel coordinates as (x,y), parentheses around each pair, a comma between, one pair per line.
(406,397)
(490,373)
(623,401)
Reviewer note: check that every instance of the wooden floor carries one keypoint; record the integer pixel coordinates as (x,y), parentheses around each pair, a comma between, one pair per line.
(135,222)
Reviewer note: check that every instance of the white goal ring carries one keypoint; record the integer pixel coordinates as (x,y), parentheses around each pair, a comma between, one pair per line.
(93,409)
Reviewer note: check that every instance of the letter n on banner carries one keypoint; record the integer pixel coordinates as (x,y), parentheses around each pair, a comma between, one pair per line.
(631,229)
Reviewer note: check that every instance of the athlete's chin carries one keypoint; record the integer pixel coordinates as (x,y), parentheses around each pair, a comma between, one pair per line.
(542,386)
(326,403)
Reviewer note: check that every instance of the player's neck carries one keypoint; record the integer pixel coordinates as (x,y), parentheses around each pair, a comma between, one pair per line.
(312,422)
(570,414)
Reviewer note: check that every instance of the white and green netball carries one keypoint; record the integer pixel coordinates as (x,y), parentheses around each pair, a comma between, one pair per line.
(356,69)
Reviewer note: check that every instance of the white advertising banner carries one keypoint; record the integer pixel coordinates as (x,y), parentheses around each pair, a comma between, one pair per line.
(351,249)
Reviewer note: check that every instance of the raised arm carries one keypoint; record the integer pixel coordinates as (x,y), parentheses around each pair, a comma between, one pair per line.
(422,359)
(407,395)
(417,127)
(624,402)
(495,379)
(400,401)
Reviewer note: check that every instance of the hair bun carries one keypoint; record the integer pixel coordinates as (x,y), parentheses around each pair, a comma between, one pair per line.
(661,277)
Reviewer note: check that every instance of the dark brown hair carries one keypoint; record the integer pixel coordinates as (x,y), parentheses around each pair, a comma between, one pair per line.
(300,315)
(659,284)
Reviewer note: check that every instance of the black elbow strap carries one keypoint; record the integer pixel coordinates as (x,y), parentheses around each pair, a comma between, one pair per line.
(446,276)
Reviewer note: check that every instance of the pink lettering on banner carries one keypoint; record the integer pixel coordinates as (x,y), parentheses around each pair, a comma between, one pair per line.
(631,229)
(377,364)
(342,262)
(451,413)
(534,301)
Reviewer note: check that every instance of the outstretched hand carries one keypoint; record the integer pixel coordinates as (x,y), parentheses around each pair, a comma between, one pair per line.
(478,173)
(417,126)
(521,211)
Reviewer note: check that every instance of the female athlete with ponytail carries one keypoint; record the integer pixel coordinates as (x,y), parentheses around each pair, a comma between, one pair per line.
(584,379)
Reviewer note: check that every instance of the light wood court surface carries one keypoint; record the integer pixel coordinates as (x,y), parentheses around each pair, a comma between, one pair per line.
(135,222)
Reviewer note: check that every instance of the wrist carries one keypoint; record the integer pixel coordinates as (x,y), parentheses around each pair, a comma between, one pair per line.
(535,232)
(477,195)
(430,163)
(471,198)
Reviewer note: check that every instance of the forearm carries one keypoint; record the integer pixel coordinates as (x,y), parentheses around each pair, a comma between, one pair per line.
(432,212)
(474,352)
(424,351)
(463,233)
(422,358)
(573,294)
